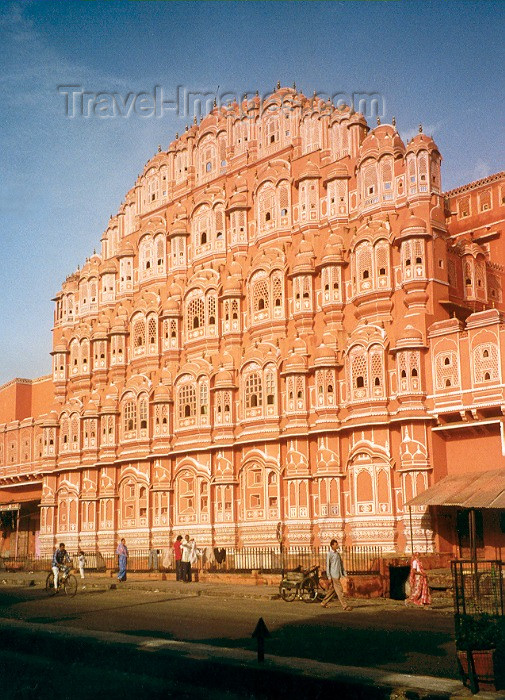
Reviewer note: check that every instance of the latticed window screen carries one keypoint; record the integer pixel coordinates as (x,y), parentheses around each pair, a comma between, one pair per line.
(468,273)
(277,289)
(143,413)
(283,199)
(382,259)
(359,376)
(412,174)
(139,333)
(401,364)
(494,287)
(196,314)
(253,390)
(129,415)
(464,207)
(485,360)
(204,398)
(270,386)
(160,253)
(266,206)
(330,386)
(369,181)
(211,307)
(364,264)
(376,368)
(152,329)
(480,276)
(387,175)
(446,370)
(187,400)
(260,295)
(418,249)
(451,272)
(84,355)
(219,223)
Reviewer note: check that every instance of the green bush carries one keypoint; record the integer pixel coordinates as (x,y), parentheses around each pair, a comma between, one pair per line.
(479,632)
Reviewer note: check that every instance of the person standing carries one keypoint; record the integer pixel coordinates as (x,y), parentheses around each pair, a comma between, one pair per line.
(193,557)
(178,558)
(186,559)
(419,589)
(82,563)
(335,571)
(122,555)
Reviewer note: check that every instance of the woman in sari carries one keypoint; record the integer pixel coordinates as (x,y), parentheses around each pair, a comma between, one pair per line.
(419,589)
(122,556)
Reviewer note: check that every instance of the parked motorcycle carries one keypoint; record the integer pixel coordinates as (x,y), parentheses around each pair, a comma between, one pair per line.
(300,584)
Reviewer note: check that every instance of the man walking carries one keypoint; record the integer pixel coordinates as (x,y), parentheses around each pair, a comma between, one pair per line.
(178,558)
(335,570)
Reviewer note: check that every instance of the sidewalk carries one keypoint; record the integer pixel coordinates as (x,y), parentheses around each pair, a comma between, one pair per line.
(162,583)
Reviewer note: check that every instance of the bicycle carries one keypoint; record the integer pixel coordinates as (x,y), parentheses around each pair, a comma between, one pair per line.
(303,585)
(66,582)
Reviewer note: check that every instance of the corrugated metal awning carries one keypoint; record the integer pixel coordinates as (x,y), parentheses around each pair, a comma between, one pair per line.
(473,490)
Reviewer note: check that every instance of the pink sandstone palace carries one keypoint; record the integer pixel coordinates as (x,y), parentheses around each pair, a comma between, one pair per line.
(290,327)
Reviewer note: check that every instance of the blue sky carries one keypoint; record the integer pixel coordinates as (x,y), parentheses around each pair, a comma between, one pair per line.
(436,63)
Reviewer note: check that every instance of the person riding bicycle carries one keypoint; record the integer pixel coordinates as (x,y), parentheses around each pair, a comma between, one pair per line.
(60,559)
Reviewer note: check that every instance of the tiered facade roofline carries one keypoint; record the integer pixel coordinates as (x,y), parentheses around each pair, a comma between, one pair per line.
(266,336)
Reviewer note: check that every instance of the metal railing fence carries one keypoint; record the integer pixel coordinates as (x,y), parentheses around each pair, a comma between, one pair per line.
(357,560)
(478,587)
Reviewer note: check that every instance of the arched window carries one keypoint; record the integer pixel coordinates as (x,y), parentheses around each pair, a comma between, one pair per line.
(139,336)
(143,415)
(266,208)
(196,314)
(129,416)
(485,361)
(187,398)
(253,393)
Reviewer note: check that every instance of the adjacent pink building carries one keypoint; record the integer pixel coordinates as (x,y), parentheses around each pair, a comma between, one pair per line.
(289,322)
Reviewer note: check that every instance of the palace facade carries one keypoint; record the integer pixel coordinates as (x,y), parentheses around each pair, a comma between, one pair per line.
(290,332)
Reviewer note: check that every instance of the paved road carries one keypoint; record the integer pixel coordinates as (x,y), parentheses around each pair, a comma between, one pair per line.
(381,633)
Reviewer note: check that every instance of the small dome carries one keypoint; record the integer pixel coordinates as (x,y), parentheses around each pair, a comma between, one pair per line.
(107,268)
(309,171)
(305,247)
(118,326)
(125,249)
(232,284)
(338,171)
(223,379)
(91,409)
(162,393)
(238,200)
(409,337)
(110,404)
(240,183)
(235,269)
(333,250)
(171,307)
(325,355)
(100,331)
(421,142)
(382,139)
(413,222)
(295,363)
